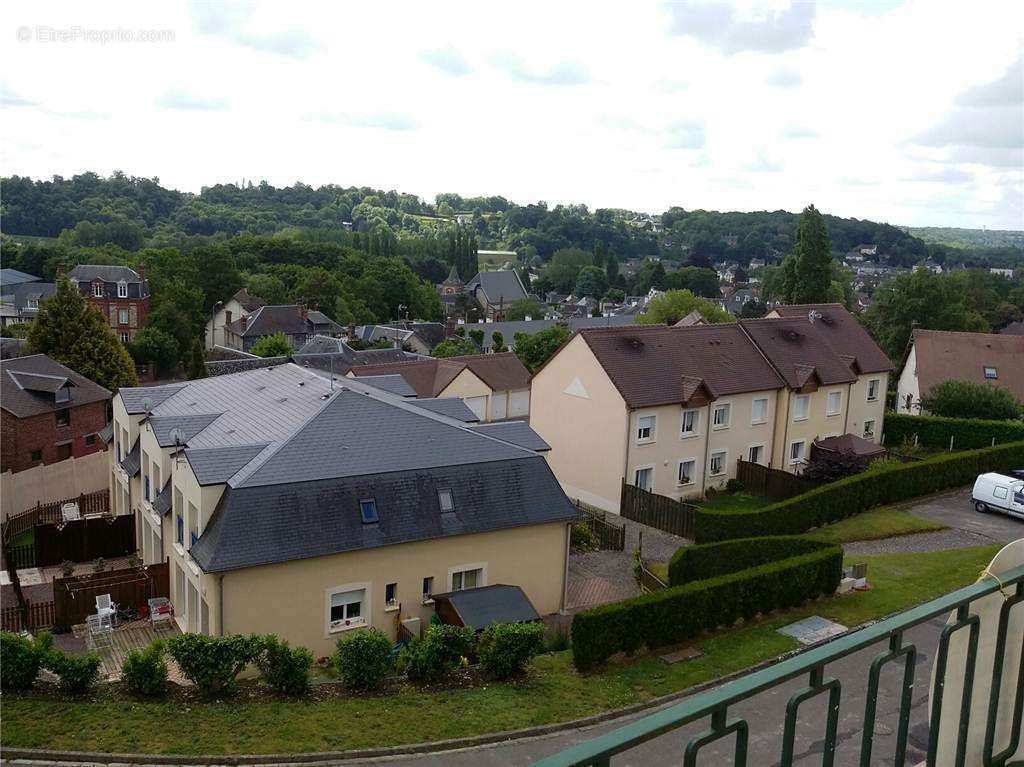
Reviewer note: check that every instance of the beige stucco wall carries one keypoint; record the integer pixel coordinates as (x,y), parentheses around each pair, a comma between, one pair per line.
(466,385)
(862,409)
(291,599)
(816,424)
(586,430)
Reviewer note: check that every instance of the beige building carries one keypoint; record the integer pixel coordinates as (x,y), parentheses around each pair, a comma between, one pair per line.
(287,505)
(241,304)
(673,409)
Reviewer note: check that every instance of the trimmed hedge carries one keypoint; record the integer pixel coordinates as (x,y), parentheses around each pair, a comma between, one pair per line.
(846,497)
(933,431)
(680,612)
(710,560)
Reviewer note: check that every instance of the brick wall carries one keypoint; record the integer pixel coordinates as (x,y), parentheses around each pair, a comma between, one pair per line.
(138,309)
(21,436)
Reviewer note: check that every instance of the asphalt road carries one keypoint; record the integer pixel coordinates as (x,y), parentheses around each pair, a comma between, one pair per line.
(957,510)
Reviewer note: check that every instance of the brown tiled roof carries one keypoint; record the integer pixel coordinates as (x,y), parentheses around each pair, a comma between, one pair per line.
(499,371)
(849,444)
(798,352)
(429,377)
(658,365)
(946,355)
(248,301)
(844,334)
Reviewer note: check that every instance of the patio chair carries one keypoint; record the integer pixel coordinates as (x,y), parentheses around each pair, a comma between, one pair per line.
(101,629)
(161,611)
(104,606)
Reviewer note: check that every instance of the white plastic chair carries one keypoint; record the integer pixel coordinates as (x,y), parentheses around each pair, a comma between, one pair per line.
(104,606)
(101,628)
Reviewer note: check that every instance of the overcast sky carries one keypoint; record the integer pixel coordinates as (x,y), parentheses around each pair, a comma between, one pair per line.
(907,112)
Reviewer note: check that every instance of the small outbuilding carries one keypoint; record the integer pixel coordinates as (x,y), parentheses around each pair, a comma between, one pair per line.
(850,445)
(480,607)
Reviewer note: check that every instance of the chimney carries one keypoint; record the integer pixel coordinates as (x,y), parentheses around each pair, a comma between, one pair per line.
(245,322)
(351,331)
(303,311)
(142,270)
(449,327)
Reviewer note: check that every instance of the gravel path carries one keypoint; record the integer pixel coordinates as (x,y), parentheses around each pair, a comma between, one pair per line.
(941,540)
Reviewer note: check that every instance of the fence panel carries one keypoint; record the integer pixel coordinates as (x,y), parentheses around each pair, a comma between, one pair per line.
(89,504)
(655,510)
(773,483)
(612,537)
(84,540)
(40,616)
(75,598)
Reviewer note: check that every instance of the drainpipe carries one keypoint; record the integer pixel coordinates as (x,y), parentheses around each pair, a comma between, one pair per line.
(625,468)
(785,430)
(220,600)
(846,416)
(565,572)
(707,451)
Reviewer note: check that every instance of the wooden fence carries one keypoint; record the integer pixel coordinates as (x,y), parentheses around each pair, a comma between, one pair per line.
(655,510)
(40,616)
(773,483)
(74,598)
(84,540)
(612,537)
(89,504)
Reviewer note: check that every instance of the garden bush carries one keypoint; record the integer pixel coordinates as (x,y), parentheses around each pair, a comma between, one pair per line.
(967,399)
(285,668)
(846,497)
(438,653)
(145,671)
(364,659)
(505,648)
(21,658)
(933,431)
(710,560)
(78,673)
(583,538)
(678,613)
(213,663)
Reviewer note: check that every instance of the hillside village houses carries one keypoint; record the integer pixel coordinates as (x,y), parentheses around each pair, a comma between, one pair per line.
(672,409)
(286,502)
(296,322)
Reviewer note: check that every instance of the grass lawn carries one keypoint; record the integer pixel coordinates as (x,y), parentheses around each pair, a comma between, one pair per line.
(736,502)
(874,524)
(553,692)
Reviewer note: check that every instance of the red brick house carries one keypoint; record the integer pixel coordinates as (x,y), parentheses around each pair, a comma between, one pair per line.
(119,292)
(48,413)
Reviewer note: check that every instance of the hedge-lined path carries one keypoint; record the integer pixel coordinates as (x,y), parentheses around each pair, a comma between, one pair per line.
(966,527)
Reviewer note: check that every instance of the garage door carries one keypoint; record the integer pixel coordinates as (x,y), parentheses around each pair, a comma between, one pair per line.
(519,403)
(498,402)
(478,405)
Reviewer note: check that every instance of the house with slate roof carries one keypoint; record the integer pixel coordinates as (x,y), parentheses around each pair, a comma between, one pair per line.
(292,502)
(496,291)
(241,304)
(119,292)
(297,323)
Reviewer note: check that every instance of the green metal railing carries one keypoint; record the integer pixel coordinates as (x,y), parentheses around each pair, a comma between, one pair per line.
(716,703)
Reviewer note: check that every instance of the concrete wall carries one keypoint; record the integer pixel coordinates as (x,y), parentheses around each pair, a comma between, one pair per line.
(291,599)
(577,410)
(52,482)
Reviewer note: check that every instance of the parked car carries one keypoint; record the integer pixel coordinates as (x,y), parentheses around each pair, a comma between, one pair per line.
(999,492)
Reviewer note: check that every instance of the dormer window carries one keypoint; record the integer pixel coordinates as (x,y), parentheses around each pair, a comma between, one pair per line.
(991,373)
(97,290)
(122,289)
(63,394)
(368,511)
(32,303)
(446,500)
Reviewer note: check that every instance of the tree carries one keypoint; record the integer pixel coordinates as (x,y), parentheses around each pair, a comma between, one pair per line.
(809,274)
(197,361)
(154,345)
(611,268)
(476,335)
(170,320)
(670,307)
(591,281)
(75,334)
(564,267)
(275,345)
(455,347)
(498,342)
(218,274)
(700,281)
(533,351)
(966,399)
(268,287)
(615,295)
(524,277)
(754,309)
(523,308)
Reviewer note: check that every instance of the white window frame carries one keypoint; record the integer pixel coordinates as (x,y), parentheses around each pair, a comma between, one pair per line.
(876,384)
(123,317)
(365,612)
(32,303)
(829,412)
(995,372)
(650,487)
(652,430)
(754,420)
(97,290)
(693,474)
(764,453)
(393,604)
(866,434)
(727,407)
(696,423)
(803,452)
(122,289)
(725,463)
(807,409)
(481,566)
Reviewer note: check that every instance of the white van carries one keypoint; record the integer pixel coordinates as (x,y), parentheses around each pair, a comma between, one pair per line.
(998,492)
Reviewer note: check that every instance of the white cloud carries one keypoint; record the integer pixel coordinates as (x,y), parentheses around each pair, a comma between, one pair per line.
(719,25)
(175,98)
(447,59)
(392,121)
(784,77)
(232,21)
(565,72)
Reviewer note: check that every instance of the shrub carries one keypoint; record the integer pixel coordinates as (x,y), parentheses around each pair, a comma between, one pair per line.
(21,658)
(966,399)
(680,612)
(841,499)
(734,486)
(438,653)
(583,538)
(506,648)
(145,671)
(364,659)
(212,663)
(78,673)
(710,560)
(557,640)
(933,431)
(285,668)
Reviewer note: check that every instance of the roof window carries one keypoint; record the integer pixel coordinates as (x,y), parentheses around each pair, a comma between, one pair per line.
(446,500)
(368,511)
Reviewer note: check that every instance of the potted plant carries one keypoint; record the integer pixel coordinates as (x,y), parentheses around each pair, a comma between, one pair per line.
(99,565)
(67,568)
(134,561)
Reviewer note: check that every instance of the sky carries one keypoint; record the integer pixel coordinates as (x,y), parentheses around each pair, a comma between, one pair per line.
(905,112)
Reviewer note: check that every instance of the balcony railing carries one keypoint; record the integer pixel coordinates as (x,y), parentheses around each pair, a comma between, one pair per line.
(716,703)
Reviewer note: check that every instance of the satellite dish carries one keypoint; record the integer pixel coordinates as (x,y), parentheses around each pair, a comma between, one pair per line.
(177,435)
(813,315)
(147,404)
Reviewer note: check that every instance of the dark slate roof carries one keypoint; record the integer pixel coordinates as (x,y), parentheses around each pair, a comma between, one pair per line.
(132,462)
(432,333)
(241,364)
(660,365)
(162,502)
(843,333)
(27,386)
(480,607)
(270,319)
(256,525)
(216,465)
(248,301)
(849,444)
(188,426)
(11,277)
(390,383)
(322,322)
(106,433)
(38,291)
(12,347)
(112,273)
(136,398)
(452,407)
(500,286)
(797,351)
(516,432)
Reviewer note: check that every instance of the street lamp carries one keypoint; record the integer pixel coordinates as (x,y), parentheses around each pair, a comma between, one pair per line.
(213,323)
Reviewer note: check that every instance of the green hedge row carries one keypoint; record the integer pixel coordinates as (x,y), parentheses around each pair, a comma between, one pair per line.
(933,431)
(680,612)
(846,497)
(710,560)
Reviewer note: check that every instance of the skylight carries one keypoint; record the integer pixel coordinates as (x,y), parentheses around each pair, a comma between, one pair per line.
(446,500)
(368,511)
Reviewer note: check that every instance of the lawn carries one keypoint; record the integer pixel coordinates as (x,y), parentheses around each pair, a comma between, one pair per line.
(735,502)
(553,692)
(874,524)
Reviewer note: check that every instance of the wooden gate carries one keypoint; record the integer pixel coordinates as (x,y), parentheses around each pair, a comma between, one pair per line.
(655,510)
